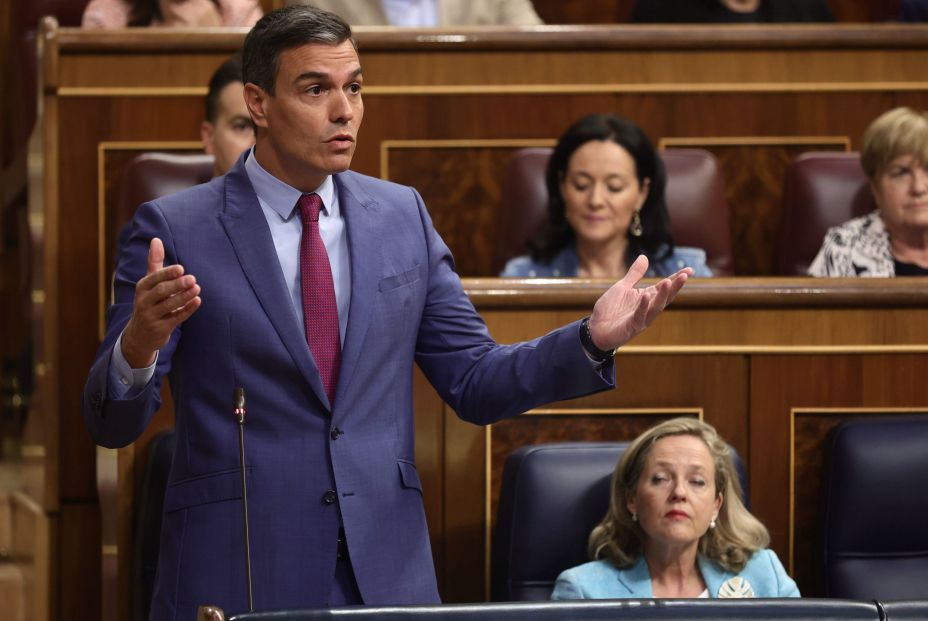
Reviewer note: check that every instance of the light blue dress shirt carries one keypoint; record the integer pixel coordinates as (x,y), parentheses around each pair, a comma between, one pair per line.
(278,201)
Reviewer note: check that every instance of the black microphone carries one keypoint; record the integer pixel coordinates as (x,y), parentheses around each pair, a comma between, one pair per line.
(238,405)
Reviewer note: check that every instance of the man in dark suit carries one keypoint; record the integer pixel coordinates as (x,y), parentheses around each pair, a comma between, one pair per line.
(315,289)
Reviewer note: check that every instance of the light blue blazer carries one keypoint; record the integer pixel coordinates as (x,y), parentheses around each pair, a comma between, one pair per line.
(565,264)
(602,580)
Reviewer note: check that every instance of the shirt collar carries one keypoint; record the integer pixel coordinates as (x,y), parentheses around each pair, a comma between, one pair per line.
(281,197)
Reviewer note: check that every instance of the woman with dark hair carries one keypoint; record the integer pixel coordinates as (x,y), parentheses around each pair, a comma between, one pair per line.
(105,14)
(605,207)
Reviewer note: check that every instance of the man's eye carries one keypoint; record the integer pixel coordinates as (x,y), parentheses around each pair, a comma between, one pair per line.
(355,88)
(314,90)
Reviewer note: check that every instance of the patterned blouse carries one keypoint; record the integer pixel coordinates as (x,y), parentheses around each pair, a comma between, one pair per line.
(859,247)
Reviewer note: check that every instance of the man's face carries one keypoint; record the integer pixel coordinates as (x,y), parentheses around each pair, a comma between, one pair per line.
(232,132)
(307,129)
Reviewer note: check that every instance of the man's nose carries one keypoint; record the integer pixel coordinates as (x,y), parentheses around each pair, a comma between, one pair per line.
(342,110)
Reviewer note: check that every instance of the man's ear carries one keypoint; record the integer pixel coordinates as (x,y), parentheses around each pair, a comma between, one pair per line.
(256,101)
(207,130)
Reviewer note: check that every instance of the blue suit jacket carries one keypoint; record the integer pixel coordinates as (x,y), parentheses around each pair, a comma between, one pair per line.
(407,305)
(602,580)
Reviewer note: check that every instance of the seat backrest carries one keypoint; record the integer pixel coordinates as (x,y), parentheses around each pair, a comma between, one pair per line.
(875,539)
(903,610)
(552,495)
(695,198)
(821,189)
(788,609)
(152,175)
(149,506)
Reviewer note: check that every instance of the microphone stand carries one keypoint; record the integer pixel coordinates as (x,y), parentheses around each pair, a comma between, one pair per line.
(238,400)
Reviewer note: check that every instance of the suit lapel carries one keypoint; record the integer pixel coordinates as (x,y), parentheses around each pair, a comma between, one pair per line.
(713,575)
(361,213)
(247,229)
(637,579)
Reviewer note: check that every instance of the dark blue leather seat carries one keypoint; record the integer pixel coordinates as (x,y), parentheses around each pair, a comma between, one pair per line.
(148,511)
(903,610)
(875,508)
(552,495)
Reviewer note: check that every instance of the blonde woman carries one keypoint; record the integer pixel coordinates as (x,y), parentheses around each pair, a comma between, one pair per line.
(677,527)
(893,240)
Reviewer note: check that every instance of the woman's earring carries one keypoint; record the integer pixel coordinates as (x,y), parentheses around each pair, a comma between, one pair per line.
(635,227)
(634,517)
(712,523)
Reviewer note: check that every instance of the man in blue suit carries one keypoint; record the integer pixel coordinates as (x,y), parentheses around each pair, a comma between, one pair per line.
(218,287)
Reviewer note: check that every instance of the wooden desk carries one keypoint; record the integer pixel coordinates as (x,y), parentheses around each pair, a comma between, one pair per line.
(774,364)
(444,110)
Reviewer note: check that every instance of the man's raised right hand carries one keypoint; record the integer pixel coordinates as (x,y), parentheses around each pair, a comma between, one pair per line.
(164,298)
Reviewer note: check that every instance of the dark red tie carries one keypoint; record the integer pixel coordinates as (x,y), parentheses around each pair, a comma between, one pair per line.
(320,311)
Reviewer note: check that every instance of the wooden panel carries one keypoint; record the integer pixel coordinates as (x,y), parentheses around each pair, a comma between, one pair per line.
(461,184)
(703,84)
(813,394)
(78,565)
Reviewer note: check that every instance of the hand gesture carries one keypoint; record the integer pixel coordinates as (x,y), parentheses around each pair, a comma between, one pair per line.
(623,311)
(164,298)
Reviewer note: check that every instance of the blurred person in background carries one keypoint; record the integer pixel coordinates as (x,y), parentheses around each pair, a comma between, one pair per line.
(677,526)
(606,206)
(893,240)
(227,130)
(105,14)
(731,11)
(430,13)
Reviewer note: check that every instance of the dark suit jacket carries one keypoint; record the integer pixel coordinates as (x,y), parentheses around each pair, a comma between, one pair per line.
(407,305)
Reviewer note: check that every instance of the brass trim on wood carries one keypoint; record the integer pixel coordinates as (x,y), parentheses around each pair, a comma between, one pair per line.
(558,37)
(410,90)
(132,91)
(753,141)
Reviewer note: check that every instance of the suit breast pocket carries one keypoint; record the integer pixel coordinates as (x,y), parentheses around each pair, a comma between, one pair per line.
(408,277)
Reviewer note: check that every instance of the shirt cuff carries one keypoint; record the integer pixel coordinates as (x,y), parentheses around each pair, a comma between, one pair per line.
(124,381)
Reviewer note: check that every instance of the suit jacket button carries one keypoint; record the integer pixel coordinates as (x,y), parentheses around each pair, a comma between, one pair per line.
(335,433)
(330,497)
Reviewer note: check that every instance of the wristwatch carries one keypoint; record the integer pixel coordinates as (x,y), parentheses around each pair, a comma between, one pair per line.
(586,339)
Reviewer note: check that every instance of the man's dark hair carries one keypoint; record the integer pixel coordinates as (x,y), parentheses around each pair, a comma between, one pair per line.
(283,29)
(228,72)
